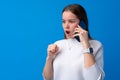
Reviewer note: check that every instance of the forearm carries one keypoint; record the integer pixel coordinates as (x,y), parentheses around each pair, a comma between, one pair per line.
(93,73)
(91,69)
(48,70)
(93,64)
(89,60)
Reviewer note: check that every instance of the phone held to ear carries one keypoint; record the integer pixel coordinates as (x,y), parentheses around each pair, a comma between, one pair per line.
(84,26)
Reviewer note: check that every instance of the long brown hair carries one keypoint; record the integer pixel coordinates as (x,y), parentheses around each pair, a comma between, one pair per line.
(80,12)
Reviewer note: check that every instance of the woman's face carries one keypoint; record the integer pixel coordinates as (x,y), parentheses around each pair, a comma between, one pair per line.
(69,23)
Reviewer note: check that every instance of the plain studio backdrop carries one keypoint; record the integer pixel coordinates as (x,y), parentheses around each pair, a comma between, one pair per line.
(28,26)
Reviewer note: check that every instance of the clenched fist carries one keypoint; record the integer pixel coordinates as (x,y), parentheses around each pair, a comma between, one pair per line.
(52,50)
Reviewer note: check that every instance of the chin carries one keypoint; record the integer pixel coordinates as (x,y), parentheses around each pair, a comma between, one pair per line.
(68,37)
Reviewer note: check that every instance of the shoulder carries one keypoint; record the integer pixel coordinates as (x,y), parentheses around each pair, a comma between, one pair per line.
(97,47)
(95,43)
(60,41)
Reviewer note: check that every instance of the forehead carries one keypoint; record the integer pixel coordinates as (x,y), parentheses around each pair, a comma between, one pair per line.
(68,15)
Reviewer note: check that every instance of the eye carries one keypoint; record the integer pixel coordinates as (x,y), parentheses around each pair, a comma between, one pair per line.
(63,21)
(72,21)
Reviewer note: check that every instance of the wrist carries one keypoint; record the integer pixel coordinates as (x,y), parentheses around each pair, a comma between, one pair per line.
(88,50)
(86,45)
(51,58)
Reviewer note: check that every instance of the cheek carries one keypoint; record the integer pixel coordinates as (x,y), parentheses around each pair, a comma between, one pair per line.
(72,29)
(73,26)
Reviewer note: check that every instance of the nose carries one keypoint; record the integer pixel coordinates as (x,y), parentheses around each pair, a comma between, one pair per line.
(67,26)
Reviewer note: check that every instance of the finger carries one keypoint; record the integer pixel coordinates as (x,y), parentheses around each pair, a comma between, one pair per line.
(78,26)
(49,46)
(55,46)
(76,31)
(79,33)
(52,46)
(51,49)
(75,35)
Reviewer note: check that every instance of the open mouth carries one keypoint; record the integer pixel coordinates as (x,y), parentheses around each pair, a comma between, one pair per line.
(67,32)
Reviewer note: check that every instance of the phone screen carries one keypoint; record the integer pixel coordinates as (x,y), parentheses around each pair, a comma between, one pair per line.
(84,26)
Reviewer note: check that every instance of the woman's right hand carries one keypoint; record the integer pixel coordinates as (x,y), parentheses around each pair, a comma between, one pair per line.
(52,51)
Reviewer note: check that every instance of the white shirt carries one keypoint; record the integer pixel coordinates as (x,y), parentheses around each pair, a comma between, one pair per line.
(68,64)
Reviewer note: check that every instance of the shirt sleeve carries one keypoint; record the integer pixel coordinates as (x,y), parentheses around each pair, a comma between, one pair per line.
(95,72)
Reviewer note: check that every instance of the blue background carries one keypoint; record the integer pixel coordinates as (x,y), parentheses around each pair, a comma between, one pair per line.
(28,26)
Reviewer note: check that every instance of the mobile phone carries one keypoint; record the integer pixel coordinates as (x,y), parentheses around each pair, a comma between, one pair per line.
(84,26)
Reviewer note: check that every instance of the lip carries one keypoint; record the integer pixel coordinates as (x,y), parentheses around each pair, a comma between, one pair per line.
(67,32)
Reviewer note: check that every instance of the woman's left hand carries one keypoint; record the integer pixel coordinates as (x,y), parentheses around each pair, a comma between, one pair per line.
(83,34)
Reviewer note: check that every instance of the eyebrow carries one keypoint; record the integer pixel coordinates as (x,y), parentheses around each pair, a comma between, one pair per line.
(70,19)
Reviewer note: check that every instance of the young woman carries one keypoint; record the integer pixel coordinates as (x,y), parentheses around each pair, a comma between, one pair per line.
(70,59)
